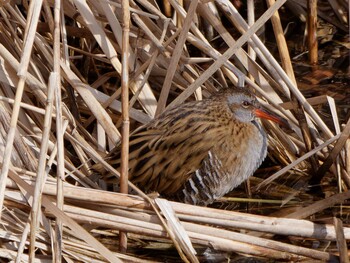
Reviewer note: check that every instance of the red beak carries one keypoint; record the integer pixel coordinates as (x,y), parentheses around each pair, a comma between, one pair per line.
(265,114)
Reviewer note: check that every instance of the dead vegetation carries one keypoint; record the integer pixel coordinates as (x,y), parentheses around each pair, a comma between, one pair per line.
(61,82)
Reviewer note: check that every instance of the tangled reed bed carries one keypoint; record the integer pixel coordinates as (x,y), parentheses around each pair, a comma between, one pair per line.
(61,107)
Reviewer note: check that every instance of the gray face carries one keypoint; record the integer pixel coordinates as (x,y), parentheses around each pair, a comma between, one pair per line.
(242,106)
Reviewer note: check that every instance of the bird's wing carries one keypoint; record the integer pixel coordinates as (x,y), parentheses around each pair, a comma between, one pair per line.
(164,155)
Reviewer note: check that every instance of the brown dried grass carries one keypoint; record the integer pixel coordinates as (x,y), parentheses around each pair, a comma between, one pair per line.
(61,107)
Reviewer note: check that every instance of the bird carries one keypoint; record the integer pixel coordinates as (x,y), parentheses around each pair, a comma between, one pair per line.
(200,150)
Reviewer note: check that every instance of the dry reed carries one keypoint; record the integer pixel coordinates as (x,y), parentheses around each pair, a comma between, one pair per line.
(65,70)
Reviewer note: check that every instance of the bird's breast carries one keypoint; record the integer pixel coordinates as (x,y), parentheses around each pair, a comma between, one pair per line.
(234,158)
(247,151)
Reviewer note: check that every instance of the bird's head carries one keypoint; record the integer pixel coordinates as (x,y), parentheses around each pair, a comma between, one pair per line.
(246,108)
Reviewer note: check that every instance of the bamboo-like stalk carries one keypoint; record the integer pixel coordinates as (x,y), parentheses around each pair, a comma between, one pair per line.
(22,243)
(252,55)
(41,173)
(59,129)
(312,31)
(124,171)
(251,20)
(343,249)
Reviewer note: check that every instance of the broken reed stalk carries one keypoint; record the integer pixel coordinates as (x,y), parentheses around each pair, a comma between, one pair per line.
(56,76)
(124,170)
(41,173)
(312,31)
(251,52)
(341,241)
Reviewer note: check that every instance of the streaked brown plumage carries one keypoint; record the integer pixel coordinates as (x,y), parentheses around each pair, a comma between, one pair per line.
(199,150)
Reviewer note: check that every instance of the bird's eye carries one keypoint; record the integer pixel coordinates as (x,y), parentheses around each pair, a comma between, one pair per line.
(245,104)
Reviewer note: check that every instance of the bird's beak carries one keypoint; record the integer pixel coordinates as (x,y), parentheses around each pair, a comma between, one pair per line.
(265,114)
